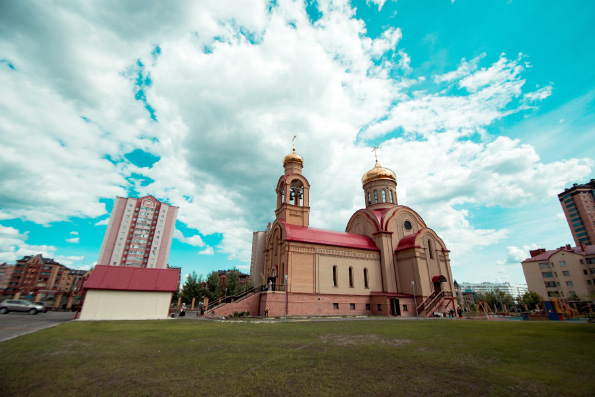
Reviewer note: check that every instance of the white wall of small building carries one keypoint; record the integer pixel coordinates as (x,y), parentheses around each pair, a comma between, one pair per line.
(125,305)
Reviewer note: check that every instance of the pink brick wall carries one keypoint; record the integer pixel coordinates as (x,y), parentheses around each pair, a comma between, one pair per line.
(314,305)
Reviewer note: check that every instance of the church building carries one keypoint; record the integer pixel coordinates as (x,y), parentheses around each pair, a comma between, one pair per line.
(387,262)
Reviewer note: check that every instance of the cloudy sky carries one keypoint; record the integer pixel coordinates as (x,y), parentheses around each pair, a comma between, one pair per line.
(484,110)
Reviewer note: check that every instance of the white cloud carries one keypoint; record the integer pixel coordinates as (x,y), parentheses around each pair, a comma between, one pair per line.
(207,251)
(195,240)
(13,245)
(74,233)
(102,222)
(71,260)
(74,240)
(379,3)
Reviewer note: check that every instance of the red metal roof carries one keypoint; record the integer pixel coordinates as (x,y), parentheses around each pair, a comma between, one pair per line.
(328,237)
(544,256)
(133,279)
(408,242)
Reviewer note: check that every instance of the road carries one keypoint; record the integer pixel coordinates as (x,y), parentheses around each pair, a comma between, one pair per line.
(17,324)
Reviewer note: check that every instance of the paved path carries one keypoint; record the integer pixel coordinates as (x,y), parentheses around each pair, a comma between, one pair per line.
(17,324)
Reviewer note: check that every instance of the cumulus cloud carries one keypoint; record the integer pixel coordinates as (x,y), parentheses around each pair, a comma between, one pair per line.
(74,240)
(517,254)
(195,240)
(102,222)
(74,233)
(13,245)
(207,251)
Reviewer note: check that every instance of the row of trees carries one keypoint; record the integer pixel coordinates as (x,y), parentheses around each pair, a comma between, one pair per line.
(197,287)
(501,298)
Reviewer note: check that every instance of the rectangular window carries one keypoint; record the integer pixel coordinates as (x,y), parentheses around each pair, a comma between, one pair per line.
(404,308)
(562,263)
(545,265)
(335,305)
(547,274)
(569,283)
(352,306)
(582,261)
(379,307)
(566,273)
(589,282)
(367,306)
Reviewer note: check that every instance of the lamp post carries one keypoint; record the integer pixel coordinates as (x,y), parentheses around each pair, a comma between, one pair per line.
(414,299)
(286,297)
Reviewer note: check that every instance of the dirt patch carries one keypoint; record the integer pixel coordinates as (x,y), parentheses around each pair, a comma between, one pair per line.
(355,340)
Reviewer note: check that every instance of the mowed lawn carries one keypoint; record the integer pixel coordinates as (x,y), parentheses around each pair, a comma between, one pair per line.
(374,357)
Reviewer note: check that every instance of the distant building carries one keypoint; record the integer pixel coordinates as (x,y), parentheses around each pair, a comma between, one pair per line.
(5,274)
(474,289)
(139,233)
(242,278)
(36,275)
(257,261)
(567,272)
(578,203)
(128,293)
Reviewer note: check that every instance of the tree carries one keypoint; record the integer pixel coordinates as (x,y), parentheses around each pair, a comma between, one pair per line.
(213,290)
(232,282)
(531,299)
(192,288)
(498,298)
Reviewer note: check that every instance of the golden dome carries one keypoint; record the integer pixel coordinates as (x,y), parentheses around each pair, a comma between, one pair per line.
(378,173)
(293,158)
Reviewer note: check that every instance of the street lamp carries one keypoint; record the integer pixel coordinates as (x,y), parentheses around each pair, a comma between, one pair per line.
(414,299)
(286,297)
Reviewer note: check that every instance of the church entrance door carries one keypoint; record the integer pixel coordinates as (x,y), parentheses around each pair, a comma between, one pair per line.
(272,282)
(395,308)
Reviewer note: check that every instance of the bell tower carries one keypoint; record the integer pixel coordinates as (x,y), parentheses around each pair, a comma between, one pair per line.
(293,191)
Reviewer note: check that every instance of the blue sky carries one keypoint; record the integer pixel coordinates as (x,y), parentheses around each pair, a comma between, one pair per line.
(484,110)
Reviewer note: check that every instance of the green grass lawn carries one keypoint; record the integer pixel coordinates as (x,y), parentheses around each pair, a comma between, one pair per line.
(181,357)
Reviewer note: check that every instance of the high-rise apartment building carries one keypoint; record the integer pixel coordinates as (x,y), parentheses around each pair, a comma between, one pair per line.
(139,233)
(578,203)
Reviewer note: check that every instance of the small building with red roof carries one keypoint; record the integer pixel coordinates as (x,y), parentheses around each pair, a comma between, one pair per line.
(386,262)
(128,293)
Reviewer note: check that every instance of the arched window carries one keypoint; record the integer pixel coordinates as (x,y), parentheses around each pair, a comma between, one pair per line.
(350,277)
(375,197)
(391,196)
(335,276)
(430,249)
(384,196)
(366,277)
(369,200)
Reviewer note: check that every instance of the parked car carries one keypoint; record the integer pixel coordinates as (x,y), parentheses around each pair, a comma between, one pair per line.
(13,305)
(46,307)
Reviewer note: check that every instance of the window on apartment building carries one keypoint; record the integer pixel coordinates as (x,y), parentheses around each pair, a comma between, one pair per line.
(379,307)
(582,261)
(562,263)
(366,278)
(569,283)
(585,271)
(350,277)
(547,274)
(352,306)
(405,308)
(589,282)
(545,265)
(335,284)
(335,305)
(566,273)
(367,306)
